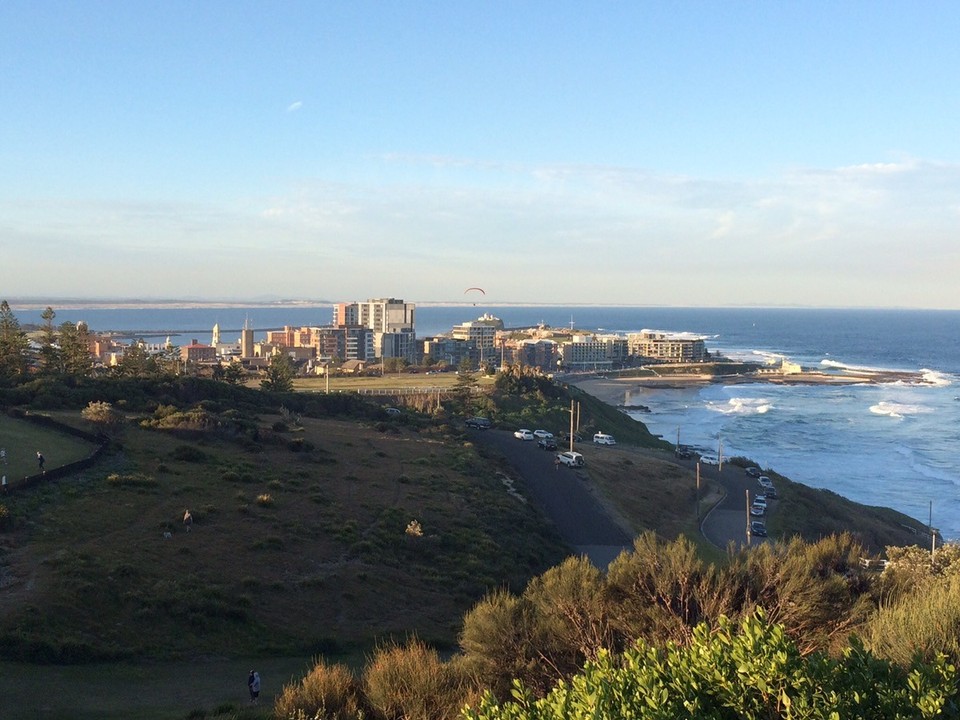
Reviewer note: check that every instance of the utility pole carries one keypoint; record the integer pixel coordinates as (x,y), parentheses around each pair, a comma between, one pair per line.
(698,493)
(719,454)
(933,536)
(748,515)
(571,425)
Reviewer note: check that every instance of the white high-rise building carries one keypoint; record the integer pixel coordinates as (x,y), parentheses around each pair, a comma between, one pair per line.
(392,322)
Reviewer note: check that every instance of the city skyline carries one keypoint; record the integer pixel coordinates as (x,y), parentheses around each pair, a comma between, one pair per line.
(690,154)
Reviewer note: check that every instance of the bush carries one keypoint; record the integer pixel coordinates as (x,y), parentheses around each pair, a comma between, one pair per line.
(923,623)
(328,691)
(188,453)
(412,683)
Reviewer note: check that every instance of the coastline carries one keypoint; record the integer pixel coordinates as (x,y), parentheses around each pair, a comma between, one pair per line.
(613,390)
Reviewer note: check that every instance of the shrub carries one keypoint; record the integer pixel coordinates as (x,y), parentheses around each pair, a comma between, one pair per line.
(327,691)
(411,682)
(923,623)
(188,453)
(264,500)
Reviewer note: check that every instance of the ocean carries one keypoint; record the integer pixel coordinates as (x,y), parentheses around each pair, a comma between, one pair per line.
(896,444)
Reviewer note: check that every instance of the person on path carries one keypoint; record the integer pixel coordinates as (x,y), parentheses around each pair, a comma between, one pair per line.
(4,483)
(188,521)
(40,462)
(253,684)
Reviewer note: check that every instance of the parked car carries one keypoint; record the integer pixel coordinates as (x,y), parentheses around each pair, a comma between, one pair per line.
(480,423)
(770,492)
(709,460)
(604,439)
(758,528)
(523,434)
(570,459)
(757,510)
(392,411)
(764,481)
(754,472)
(760,500)
(547,443)
(542,434)
(565,436)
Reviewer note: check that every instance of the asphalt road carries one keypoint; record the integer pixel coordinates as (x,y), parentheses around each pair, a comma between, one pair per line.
(564,496)
(727,521)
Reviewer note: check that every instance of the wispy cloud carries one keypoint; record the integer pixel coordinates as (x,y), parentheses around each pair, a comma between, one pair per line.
(294,106)
(551,233)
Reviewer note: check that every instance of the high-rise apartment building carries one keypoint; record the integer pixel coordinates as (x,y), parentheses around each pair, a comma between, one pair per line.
(391,321)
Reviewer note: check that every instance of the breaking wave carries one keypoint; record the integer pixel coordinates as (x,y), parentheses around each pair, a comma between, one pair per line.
(897,410)
(742,406)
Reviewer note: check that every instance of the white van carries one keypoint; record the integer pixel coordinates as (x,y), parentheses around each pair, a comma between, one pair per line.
(604,439)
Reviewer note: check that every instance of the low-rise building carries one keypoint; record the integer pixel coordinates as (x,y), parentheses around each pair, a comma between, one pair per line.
(666,347)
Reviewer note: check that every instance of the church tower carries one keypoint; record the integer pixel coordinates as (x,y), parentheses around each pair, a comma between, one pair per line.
(216,335)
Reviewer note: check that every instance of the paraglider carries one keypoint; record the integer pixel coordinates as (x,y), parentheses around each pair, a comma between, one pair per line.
(475,289)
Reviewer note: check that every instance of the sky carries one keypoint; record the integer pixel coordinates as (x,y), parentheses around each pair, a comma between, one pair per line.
(650,153)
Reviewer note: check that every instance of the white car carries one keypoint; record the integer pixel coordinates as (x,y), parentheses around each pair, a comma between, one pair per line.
(570,459)
(709,460)
(761,501)
(757,510)
(523,434)
(764,481)
(542,434)
(604,439)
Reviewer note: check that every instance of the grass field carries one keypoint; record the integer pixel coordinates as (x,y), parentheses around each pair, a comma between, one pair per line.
(22,440)
(405,381)
(149,691)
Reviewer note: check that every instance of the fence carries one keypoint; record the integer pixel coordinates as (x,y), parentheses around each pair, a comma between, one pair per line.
(100,440)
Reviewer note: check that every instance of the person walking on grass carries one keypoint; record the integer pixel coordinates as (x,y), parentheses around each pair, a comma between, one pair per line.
(253,684)
(40,462)
(188,521)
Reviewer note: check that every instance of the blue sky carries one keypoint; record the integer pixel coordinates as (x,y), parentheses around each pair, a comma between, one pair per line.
(675,153)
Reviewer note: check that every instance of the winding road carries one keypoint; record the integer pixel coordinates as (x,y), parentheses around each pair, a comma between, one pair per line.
(565,496)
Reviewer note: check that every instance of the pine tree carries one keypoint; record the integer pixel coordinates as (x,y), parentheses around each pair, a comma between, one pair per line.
(50,360)
(75,349)
(13,346)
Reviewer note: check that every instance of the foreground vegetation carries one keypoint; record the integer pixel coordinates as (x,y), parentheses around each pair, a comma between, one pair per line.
(791,630)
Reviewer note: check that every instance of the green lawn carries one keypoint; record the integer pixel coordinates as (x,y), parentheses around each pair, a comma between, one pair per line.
(22,440)
(434,381)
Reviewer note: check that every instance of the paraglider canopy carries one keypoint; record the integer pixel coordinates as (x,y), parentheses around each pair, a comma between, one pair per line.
(475,289)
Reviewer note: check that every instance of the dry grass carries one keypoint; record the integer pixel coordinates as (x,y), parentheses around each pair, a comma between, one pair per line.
(647,491)
(326,565)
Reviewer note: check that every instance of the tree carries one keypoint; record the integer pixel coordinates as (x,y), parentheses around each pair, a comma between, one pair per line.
(279,377)
(136,362)
(13,346)
(102,416)
(75,349)
(234,373)
(49,350)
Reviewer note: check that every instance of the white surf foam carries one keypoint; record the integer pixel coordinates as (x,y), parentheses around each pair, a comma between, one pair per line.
(897,410)
(933,377)
(742,406)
